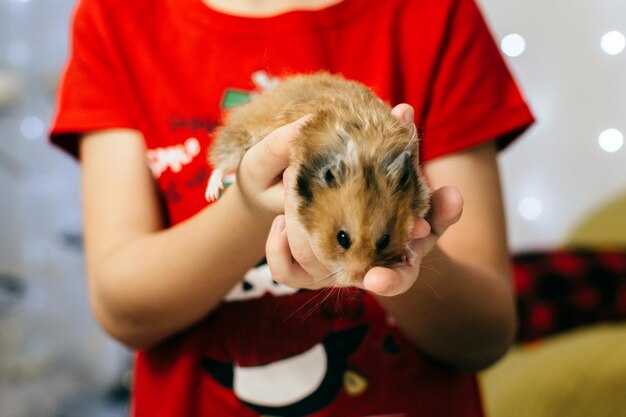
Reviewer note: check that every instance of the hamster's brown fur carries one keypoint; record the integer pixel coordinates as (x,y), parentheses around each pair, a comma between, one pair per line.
(357,180)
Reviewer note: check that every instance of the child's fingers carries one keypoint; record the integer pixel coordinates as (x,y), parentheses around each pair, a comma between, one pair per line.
(389,282)
(271,154)
(278,254)
(297,237)
(421,229)
(275,197)
(404,112)
(447,206)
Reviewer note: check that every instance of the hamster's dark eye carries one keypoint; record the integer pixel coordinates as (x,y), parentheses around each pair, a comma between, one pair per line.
(344,239)
(383,242)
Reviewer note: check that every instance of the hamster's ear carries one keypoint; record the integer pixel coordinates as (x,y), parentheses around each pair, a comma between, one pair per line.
(401,170)
(333,172)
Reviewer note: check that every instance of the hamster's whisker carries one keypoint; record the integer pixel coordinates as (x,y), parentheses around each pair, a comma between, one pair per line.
(399,264)
(330,277)
(339,290)
(352,292)
(414,137)
(327,292)
(318,294)
(431,269)
(431,288)
(344,292)
(448,260)
(338,298)
(321,296)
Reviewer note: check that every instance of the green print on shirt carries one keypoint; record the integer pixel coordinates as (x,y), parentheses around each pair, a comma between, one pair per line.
(234,98)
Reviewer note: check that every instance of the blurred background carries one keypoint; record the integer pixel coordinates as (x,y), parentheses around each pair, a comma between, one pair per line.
(565,190)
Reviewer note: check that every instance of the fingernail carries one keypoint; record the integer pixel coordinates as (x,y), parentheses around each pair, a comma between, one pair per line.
(302,121)
(287,177)
(408,116)
(279,224)
(421,228)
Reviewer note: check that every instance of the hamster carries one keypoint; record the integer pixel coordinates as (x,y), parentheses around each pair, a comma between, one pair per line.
(357,182)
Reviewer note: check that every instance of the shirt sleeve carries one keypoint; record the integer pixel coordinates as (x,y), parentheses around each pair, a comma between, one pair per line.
(93,92)
(474,98)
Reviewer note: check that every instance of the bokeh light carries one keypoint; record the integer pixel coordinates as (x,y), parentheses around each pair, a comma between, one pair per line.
(32,127)
(530,208)
(613,42)
(513,45)
(611,140)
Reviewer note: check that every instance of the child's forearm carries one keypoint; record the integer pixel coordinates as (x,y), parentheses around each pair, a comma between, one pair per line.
(154,285)
(439,316)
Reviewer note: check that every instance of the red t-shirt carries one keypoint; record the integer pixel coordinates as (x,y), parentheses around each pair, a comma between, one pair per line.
(169,69)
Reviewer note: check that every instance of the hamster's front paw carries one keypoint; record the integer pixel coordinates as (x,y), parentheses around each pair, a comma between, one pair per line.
(215,185)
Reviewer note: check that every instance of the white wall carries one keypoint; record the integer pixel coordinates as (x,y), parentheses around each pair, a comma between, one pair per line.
(576,91)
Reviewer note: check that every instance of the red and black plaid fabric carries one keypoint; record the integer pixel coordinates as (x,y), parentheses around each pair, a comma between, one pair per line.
(564,289)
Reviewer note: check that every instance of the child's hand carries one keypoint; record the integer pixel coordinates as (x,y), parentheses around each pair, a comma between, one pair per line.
(293,262)
(446,208)
(259,176)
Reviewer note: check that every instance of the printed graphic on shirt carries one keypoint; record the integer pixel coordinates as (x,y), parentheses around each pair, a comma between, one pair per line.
(322,372)
(173,157)
(307,354)
(256,283)
(235,97)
